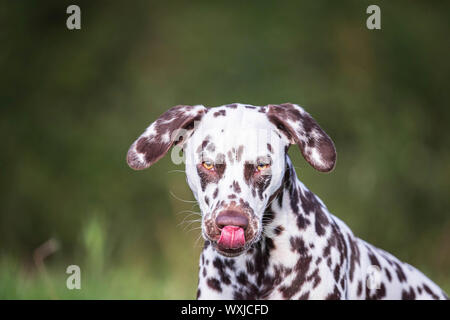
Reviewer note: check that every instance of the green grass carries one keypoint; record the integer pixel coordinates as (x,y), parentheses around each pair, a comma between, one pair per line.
(155,274)
(119,283)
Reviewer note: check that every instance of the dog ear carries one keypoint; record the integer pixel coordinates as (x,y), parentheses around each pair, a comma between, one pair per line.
(170,128)
(300,128)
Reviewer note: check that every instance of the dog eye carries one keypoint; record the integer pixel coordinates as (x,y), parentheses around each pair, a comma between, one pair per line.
(207,165)
(262,166)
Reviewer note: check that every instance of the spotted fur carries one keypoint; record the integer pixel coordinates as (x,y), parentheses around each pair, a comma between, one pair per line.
(294,247)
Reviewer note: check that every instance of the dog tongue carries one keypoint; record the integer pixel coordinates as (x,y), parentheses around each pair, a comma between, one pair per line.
(232,237)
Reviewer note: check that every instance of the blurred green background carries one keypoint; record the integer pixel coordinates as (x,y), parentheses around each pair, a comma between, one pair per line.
(72,102)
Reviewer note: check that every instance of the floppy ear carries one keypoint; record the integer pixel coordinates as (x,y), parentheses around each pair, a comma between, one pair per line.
(170,128)
(300,128)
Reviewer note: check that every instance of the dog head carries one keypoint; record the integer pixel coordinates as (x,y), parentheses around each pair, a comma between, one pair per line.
(235,159)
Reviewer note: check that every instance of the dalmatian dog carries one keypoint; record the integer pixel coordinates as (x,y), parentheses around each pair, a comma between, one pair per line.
(266,235)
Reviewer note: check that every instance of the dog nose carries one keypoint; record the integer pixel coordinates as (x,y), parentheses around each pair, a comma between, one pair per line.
(231,218)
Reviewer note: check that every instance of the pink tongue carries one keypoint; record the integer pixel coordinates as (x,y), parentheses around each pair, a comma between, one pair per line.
(232,237)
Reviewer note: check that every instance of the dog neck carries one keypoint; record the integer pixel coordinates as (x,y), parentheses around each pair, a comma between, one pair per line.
(293,222)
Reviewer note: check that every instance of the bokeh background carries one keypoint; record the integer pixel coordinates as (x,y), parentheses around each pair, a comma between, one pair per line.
(72,102)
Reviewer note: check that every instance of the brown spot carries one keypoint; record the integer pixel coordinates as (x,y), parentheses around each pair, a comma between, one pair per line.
(220,165)
(242,278)
(152,148)
(321,222)
(249,170)
(278,194)
(214,284)
(229,264)
(269,243)
(335,295)
(239,152)
(219,265)
(211,147)
(206,177)
(314,277)
(278,230)
(388,274)
(400,274)
(336,273)
(230,157)
(203,145)
(359,290)
(298,245)
(304,296)
(236,187)
(408,295)
(373,260)
(378,294)
(302,222)
(428,290)
(261,183)
(354,256)
(250,267)
(219,113)
(210,227)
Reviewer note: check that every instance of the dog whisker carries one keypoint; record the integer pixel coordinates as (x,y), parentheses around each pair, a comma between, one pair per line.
(191,229)
(198,239)
(172,171)
(190,212)
(188,222)
(178,198)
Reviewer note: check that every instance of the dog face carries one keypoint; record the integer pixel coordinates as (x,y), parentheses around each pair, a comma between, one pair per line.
(235,159)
